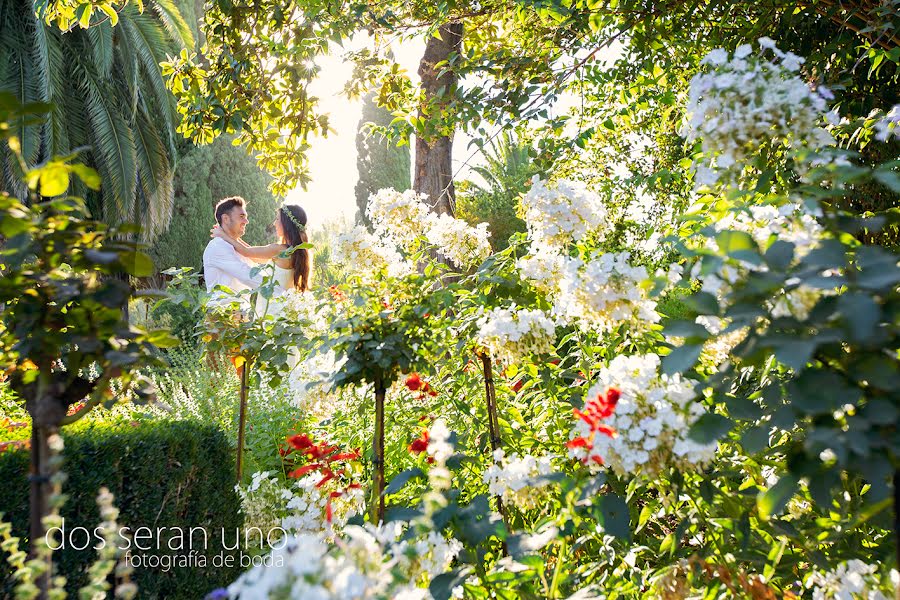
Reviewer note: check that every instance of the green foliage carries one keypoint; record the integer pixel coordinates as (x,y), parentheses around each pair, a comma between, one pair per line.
(71,317)
(162,473)
(107,94)
(183,305)
(380,163)
(205,175)
(506,173)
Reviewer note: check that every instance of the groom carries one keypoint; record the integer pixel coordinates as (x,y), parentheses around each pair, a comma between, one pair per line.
(222,265)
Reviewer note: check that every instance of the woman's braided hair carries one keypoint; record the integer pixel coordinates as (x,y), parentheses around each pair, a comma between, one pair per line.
(293,223)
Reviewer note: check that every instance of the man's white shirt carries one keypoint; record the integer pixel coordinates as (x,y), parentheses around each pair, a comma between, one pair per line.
(223,265)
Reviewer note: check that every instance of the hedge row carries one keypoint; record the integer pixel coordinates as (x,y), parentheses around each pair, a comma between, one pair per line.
(164,474)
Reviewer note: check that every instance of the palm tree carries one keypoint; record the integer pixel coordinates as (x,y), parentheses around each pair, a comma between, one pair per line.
(107,97)
(506,170)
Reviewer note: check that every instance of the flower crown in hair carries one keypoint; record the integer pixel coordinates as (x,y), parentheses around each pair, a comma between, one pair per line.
(292,218)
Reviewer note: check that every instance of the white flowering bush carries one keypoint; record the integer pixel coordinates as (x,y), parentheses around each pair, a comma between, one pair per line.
(402,216)
(513,333)
(466,246)
(746,103)
(358,566)
(521,481)
(561,214)
(851,580)
(364,255)
(604,292)
(648,421)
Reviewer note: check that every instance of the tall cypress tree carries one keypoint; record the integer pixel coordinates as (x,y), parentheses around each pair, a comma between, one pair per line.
(380,163)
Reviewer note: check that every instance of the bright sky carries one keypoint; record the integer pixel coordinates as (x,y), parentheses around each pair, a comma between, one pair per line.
(332,160)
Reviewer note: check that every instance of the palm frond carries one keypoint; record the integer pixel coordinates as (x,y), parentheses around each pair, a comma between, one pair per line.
(112,148)
(156,192)
(101,40)
(144,37)
(174,22)
(50,69)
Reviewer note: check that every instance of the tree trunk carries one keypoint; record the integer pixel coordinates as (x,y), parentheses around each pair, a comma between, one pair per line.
(433,167)
(377,507)
(40,491)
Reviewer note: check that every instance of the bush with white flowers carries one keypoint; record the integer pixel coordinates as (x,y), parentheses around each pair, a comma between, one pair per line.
(512,333)
(746,101)
(464,245)
(650,421)
(519,480)
(557,215)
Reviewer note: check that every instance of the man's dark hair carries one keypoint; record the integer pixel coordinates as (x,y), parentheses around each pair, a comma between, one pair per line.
(226,204)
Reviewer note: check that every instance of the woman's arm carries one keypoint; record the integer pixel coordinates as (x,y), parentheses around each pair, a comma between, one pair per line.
(257,253)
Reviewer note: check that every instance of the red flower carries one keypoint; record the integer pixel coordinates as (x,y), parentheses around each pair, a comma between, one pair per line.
(517,386)
(414,382)
(596,409)
(300,441)
(304,470)
(420,444)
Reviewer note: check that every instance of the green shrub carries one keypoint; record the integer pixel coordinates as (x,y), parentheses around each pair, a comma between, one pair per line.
(163,474)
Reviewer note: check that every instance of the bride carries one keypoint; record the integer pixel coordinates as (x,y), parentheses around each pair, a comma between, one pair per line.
(291,271)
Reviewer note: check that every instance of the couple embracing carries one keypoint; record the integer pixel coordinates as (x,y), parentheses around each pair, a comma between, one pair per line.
(228,259)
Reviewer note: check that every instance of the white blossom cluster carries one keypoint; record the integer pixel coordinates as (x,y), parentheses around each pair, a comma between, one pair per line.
(651,420)
(363,254)
(400,215)
(747,101)
(307,505)
(513,333)
(852,580)
(404,219)
(517,479)
(363,563)
(559,215)
(604,292)
(464,245)
(888,126)
(298,509)
(543,268)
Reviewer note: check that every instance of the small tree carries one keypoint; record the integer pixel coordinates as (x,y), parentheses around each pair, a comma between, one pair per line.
(63,310)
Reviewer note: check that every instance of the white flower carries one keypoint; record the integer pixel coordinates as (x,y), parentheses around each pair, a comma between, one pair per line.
(464,245)
(400,216)
(604,292)
(560,215)
(745,103)
(887,127)
(513,333)
(515,479)
(851,580)
(362,254)
(650,419)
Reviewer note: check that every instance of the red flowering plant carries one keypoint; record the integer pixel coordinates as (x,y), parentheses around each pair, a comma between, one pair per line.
(588,425)
(419,386)
(303,456)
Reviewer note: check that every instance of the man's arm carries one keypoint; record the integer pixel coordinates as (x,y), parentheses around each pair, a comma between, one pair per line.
(223,257)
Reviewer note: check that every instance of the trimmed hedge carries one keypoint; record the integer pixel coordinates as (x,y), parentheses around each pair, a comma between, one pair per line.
(163,474)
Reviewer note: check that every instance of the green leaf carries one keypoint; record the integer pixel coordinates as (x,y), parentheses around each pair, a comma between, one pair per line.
(137,264)
(818,392)
(681,359)
(773,500)
(616,519)
(731,241)
(709,428)
(795,353)
(861,313)
(402,479)
(755,439)
(779,255)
